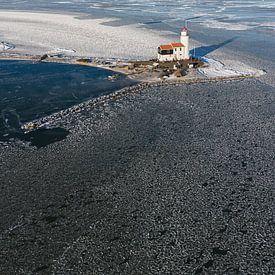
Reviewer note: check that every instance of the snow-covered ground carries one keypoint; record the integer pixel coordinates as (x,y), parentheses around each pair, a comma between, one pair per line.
(38,33)
(5,46)
(216,68)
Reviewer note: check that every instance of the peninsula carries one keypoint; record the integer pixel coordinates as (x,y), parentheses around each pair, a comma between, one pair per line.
(127,147)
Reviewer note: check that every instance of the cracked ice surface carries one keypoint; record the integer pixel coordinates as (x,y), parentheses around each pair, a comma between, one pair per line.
(37,33)
(5,46)
(182,174)
(216,69)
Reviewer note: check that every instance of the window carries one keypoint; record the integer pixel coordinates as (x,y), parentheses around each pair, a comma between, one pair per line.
(165,52)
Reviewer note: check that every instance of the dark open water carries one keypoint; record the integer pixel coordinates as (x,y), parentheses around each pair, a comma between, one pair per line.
(32,90)
(245,29)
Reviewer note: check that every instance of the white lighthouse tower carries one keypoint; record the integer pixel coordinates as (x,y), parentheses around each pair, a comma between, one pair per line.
(175,51)
(184,39)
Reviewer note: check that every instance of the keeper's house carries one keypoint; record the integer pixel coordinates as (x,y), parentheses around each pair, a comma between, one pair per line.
(175,51)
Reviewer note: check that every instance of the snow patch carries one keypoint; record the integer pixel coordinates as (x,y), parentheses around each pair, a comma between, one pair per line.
(39,33)
(214,24)
(216,68)
(5,46)
(62,51)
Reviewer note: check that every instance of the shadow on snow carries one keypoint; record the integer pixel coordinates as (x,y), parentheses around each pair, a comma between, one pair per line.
(204,50)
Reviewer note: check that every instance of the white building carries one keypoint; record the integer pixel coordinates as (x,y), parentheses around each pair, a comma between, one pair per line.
(175,51)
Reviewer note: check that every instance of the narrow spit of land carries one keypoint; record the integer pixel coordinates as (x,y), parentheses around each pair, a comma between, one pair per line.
(172,179)
(144,72)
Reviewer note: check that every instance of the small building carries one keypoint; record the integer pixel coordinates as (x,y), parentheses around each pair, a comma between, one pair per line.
(175,51)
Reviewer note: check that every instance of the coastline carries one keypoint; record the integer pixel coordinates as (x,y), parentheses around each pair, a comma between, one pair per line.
(162,177)
(58,119)
(204,147)
(143,82)
(74,61)
(80,34)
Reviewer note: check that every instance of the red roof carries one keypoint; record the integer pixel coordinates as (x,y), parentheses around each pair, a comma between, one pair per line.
(177,45)
(166,47)
(171,46)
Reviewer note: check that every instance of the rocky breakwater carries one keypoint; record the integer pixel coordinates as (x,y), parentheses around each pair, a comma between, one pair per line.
(65,118)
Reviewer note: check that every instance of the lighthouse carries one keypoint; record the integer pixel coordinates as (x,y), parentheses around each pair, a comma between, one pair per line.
(184,39)
(175,51)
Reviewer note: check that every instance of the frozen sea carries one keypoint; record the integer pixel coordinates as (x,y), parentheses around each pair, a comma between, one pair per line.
(237,29)
(228,14)
(30,90)
(177,179)
(218,14)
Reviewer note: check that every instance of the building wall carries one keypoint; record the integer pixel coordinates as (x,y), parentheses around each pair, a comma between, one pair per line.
(184,39)
(166,57)
(179,53)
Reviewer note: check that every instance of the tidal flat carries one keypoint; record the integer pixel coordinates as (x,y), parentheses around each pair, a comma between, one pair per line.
(175,179)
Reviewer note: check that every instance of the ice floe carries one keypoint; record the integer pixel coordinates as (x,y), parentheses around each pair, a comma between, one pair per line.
(39,33)
(62,51)
(216,68)
(215,24)
(5,46)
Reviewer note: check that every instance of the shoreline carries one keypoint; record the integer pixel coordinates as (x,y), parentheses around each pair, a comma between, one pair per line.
(54,119)
(74,61)
(183,148)
(82,35)
(142,84)
(151,177)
